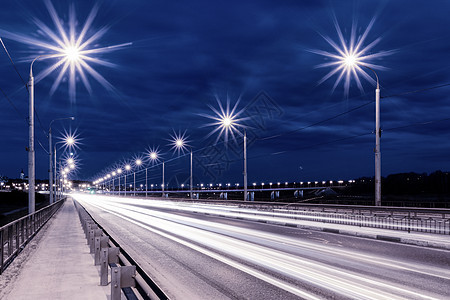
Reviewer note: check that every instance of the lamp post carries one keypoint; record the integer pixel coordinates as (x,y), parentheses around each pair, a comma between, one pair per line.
(229,123)
(377,143)
(191,179)
(138,162)
(50,147)
(31,154)
(245,165)
(162,186)
(119,171)
(352,62)
(31,157)
(180,144)
(127,168)
(109,182)
(69,141)
(154,156)
(113,185)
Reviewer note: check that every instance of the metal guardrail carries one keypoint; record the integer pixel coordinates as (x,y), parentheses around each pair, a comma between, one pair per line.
(125,272)
(15,235)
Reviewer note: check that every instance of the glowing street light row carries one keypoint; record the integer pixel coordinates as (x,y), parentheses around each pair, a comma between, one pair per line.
(227,122)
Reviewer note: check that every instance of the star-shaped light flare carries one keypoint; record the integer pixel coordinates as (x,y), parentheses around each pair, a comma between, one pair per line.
(71,161)
(74,50)
(70,140)
(179,142)
(153,155)
(227,121)
(351,56)
(138,161)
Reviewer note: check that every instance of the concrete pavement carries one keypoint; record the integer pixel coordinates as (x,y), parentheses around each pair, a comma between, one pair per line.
(56,264)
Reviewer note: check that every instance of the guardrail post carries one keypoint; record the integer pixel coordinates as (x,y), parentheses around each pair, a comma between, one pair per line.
(97,251)
(104,266)
(122,277)
(102,243)
(97,237)
(91,240)
(107,256)
(88,229)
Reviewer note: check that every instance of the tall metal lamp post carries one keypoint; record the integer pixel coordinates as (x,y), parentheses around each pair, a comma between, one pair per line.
(137,162)
(352,62)
(127,168)
(119,171)
(69,54)
(154,156)
(180,144)
(50,147)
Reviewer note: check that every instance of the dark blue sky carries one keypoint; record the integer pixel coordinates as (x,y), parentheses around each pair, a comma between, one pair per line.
(186,54)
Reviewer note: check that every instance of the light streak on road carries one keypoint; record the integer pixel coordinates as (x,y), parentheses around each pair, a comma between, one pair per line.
(273,257)
(282,216)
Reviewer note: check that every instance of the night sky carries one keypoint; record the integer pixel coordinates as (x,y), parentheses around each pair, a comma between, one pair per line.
(177,59)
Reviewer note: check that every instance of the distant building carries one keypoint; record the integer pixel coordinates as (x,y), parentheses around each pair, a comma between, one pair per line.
(22,174)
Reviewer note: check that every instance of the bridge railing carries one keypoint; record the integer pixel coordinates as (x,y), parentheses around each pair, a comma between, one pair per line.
(400,221)
(429,220)
(15,235)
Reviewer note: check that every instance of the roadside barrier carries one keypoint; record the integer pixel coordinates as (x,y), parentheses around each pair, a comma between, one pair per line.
(15,235)
(126,275)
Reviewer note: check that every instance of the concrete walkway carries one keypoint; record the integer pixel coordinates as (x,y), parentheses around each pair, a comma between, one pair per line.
(56,264)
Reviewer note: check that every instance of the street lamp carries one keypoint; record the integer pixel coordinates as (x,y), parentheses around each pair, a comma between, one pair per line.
(70,57)
(153,155)
(137,162)
(50,175)
(127,168)
(119,171)
(350,57)
(352,63)
(113,174)
(69,141)
(228,122)
(181,144)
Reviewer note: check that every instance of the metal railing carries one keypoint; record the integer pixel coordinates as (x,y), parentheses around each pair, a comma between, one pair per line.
(15,235)
(402,222)
(107,252)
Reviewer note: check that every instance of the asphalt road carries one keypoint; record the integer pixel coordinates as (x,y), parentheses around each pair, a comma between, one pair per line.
(199,256)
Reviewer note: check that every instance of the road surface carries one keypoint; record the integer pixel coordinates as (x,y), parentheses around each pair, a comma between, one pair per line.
(194,255)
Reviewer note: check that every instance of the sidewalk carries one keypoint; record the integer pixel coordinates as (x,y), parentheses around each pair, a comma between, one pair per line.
(56,264)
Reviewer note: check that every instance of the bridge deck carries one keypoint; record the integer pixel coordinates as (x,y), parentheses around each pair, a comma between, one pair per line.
(56,264)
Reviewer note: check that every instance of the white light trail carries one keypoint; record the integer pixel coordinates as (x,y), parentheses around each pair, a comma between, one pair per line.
(254,249)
